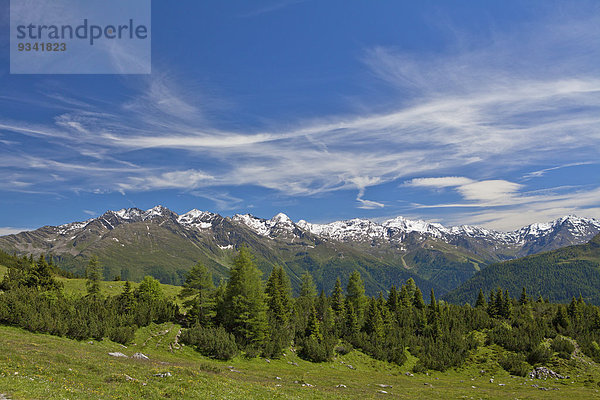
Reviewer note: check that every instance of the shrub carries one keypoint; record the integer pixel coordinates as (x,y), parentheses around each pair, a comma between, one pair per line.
(343,349)
(515,364)
(540,355)
(251,352)
(211,342)
(312,349)
(122,334)
(563,347)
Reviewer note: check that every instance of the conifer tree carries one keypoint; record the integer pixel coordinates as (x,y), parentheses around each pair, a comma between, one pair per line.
(523,299)
(313,329)
(355,294)
(352,322)
(433,305)
(279,311)
(418,301)
(492,309)
(480,303)
(198,290)
(245,308)
(411,287)
(308,288)
(127,299)
(507,306)
(561,320)
(337,298)
(220,306)
(93,277)
(575,313)
(393,300)
(373,320)
(406,300)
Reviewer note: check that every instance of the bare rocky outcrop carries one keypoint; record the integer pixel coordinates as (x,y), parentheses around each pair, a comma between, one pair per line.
(545,373)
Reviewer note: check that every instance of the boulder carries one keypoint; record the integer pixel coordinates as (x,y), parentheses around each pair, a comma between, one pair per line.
(140,356)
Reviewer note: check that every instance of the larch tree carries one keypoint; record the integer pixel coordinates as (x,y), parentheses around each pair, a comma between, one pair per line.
(245,308)
(199,294)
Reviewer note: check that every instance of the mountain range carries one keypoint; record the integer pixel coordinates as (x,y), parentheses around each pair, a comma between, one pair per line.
(131,243)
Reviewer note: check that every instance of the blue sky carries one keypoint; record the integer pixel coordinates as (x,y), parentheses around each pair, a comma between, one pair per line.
(459,112)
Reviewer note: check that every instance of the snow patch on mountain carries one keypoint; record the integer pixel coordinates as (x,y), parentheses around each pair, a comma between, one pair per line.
(197,219)
(280,223)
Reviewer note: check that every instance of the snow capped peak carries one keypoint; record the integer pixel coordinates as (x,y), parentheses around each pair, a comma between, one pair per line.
(281,218)
(196,218)
(156,211)
(576,226)
(195,214)
(420,226)
(128,213)
(280,223)
(258,225)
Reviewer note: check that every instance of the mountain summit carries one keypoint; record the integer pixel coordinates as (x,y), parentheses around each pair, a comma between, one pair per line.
(133,242)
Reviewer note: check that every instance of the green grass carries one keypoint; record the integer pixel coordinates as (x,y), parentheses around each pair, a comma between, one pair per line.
(34,366)
(110,288)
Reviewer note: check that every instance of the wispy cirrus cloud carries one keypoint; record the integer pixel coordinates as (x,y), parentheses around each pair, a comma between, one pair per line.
(490,105)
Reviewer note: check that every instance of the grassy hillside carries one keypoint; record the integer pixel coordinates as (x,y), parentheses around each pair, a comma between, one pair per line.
(558,275)
(34,366)
(109,288)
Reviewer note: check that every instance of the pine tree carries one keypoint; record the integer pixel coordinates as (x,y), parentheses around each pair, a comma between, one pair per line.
(313,328)
(561,320)
(480,303)
(93,277)
(279,312)
(308,288)
(393,300)
(406,300)
(523,299)
(492,309)
(352,322)
(338,308)
(245,308)
(507,306)
(198,290)
(337,298)
(411,287)
(500,304)
(220,306)
(575,312)
(418,301)
(374,320)
(127,299)
(355,294)
(433,305)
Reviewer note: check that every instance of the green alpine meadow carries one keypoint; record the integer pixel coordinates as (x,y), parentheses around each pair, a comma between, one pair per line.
(250,337)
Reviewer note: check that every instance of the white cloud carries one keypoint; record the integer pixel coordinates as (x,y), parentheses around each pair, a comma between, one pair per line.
(189,179)
(8,230)
(442,182)
(491,191)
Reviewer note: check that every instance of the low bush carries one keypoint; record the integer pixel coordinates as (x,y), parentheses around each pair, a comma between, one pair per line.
(211,342)
(515,364)
(563,347)
(539,355)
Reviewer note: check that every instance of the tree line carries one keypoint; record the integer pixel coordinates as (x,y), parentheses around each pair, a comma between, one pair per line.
(246,315)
